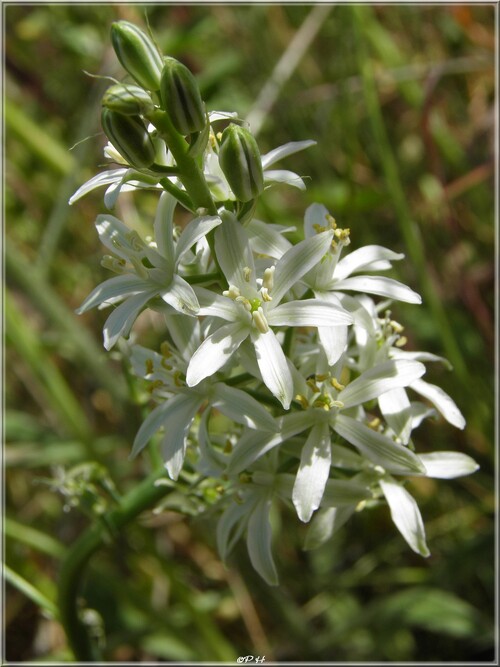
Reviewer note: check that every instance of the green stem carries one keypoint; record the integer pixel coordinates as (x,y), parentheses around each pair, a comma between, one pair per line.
(203,278)
(408,227)
(190,173)
(73,566)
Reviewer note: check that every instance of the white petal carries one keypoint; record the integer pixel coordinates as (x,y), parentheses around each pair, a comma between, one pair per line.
(379,285)
(164,227)
(308,313)
(217,305)
(273,367)
(419,356)
(122,318)
(233,251)
(283,151)
(440,399)
(315,215)
(112,289)
(396,409)
(334,342)
(361,259)
(232,524)
(252,445)
(215,351)
(114,235)
(284,176)
(377,447)
(105,178)
(380,379)
(194,231)
(297,261)
(259,542)
(180,295)
(325,523)
(176,414)
(242,408)
(177,425)
(185,332)
(344,493)
(448,465)
(313,472)
(266,239)
(405,515)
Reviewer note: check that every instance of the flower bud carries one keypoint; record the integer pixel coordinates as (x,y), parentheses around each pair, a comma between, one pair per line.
(129,136)
(127,99)
(239,159)
(181,97)
(137,53)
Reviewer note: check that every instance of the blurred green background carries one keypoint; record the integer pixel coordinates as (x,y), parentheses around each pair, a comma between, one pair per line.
(400,99)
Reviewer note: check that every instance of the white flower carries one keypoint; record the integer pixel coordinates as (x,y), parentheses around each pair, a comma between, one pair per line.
(178,404)
(251,307)
(333,275)
(324,399)
(146,271)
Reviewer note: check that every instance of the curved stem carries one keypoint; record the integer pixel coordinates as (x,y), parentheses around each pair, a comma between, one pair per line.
(73,566)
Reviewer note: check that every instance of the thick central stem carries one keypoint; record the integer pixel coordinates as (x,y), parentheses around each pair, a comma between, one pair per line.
(190,173)
(136,501)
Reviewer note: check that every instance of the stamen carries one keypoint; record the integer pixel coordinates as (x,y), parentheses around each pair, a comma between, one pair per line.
(233,292)
(260,320)
(302,400)
(244,302)
(165,350)
(336,384)
(268,280)
(247,273)
(337,404)
(113,264)
(149,366)
(401,341)
(311,383)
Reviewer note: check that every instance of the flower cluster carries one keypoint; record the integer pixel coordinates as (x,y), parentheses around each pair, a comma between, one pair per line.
(294,344)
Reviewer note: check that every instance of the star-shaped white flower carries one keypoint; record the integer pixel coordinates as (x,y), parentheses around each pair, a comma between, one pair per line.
(146,270)
(178,404)
(251,307)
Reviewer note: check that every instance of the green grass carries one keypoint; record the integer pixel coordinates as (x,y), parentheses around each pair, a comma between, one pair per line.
(400,100)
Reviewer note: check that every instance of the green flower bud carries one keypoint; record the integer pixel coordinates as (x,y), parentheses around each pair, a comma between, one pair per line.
(137,53)
(181,97)
(128,100)
(129,136)
(239,159)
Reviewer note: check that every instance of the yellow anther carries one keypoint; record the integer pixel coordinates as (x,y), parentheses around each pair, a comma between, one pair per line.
(331,221)
(268,280)
(324,401)
(233,292)
(374,423)
(260,320)
(177,379)
(156,384)
(228,447)
(345,375)
(166,366)
(302,400)
(149,366)
(219,136)
(397,328)
(247,273)
(165,350)
(321,377)
(336,384)
(337,404)
(401,341)
(319,228)
(265,294)
(311,383)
